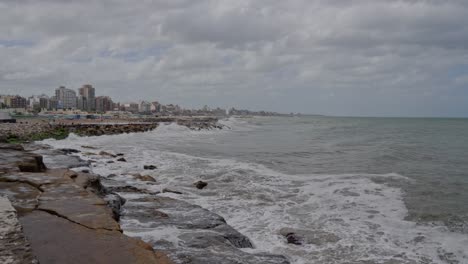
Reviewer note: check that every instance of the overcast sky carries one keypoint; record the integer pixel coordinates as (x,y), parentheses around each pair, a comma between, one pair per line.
(353,57)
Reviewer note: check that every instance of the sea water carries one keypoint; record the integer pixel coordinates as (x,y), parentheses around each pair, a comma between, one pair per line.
(393,190)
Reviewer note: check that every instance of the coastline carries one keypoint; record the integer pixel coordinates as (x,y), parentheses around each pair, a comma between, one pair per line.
(203,230)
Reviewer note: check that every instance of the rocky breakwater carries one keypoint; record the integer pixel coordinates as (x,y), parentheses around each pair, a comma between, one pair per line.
(99,129)
(41,129)
(194,123)
(57,216)
(187,233)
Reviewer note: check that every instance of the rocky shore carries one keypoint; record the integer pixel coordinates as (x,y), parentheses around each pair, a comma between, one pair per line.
(90,213)
(38,129)
(56,216)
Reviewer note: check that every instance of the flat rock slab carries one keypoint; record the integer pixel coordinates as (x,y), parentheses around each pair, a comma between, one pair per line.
(14,248)
(70,243)
(201,236)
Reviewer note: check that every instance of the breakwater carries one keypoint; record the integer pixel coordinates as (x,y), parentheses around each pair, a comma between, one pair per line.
(39,129)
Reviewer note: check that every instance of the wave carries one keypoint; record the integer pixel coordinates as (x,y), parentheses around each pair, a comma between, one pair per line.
(366,214)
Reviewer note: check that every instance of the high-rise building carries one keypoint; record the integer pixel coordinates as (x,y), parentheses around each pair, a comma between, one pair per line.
(87,98)
(66,98)
(18,102)
(104,104)
(53,104)
(144,107)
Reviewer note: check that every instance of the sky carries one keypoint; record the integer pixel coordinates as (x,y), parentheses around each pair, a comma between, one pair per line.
(348,58)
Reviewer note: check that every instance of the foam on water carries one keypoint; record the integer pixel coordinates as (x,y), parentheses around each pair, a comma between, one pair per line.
(362,210)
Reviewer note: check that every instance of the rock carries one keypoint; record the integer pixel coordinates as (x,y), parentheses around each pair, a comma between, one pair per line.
(14,247)
(143,177)
(110,161)
(33,164)
(149,167)
(89,147)
(70,243)
(203,236)
(300,237)
(85,171)
(119,154)
(69,151)
(165,190)
(122,160)
(71,174)
(115,202)
(200,184)
(104,153)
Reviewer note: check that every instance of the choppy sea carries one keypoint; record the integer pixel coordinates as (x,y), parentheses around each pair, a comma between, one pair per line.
(394,190)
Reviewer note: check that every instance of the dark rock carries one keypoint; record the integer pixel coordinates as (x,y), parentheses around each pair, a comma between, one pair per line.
(104,153)
(85,171)
(69,151)
(119,154)
(143,177)
(110,161)
(122,160)
(165,190)
(200,184)
(89,147)
(300,237)
(115,202)
(149,167)
(33,164)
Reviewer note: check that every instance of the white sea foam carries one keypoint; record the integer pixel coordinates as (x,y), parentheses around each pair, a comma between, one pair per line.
(367,215)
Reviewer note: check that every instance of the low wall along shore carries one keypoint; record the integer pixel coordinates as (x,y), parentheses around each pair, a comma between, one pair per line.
(38,129)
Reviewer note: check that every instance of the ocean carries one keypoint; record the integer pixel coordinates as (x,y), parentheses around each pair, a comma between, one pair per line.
(392,190)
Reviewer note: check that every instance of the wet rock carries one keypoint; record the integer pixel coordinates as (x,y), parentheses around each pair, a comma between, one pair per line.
(33,163)
(88,147)
(110,161)
(119,154)
(166,190)
(300,237)
(85,171)
(69,151)
(115,202)
(200,184)
(143,177)
(14,247)
(149,167)
(104,153)
(122,160)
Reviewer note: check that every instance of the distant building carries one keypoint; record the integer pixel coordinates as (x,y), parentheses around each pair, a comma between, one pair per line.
(53,103)
(130,107)
(104,104)
(66,98)
(144,107)
(18,102)
(44,102)
(87,98)
(155,107)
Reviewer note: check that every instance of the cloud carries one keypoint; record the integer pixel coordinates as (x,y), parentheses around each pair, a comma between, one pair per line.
(374,57)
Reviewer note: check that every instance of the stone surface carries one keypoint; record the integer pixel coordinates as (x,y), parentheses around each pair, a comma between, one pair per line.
(300,237)
(14,248)
(200,184)
(203,236)
(63,217)
(149,167)
(69,243)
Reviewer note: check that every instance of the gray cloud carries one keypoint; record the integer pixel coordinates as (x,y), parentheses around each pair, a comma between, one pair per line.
(358,57)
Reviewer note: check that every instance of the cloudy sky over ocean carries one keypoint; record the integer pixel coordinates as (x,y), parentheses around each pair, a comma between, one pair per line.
(355,57)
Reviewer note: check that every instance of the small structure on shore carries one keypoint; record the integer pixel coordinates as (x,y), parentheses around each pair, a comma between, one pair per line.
(6,118)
